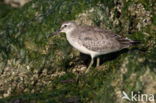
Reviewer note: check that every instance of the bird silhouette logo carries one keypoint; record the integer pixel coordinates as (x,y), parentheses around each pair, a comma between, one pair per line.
(125,96)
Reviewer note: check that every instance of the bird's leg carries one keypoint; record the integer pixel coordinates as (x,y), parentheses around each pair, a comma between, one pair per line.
(98,62)
(90,65)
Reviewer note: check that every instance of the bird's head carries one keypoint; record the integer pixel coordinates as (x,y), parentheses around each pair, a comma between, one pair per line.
(68,26)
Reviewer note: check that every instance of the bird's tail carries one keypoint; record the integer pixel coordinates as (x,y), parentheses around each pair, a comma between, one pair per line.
(125,43)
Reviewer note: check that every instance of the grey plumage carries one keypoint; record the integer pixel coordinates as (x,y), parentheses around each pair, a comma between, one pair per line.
(93,40)
(99,40)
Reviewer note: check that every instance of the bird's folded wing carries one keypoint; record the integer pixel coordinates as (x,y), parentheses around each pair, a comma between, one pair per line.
(100,46)
(100,40)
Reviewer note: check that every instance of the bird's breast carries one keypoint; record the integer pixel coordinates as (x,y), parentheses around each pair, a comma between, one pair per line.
(77,44)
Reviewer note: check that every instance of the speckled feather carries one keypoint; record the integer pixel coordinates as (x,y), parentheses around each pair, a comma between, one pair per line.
(99,40)
(93,40)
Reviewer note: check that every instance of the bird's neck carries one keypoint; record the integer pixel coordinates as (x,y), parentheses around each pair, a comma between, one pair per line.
(70,32)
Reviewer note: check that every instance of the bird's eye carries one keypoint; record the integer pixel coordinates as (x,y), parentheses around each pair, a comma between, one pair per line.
(65,25)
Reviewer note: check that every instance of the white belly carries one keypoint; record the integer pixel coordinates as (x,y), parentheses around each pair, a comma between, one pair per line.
(79,47)
(82,49)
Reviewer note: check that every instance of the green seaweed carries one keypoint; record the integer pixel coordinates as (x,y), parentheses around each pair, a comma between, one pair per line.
(26,45)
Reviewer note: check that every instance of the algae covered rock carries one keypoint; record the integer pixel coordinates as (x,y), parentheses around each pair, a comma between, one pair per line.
(37,68)
(16,3)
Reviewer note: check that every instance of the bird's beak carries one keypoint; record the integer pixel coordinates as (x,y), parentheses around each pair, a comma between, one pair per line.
(55,33)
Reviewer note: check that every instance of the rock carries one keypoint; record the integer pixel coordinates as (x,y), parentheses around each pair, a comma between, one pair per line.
(36,67)
(16,3)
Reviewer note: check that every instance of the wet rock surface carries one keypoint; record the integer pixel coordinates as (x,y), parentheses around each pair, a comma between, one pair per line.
(16,3)
(36,68)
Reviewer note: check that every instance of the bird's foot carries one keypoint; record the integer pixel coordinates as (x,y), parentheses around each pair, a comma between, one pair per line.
(90,65)
(98,62)
(87,70)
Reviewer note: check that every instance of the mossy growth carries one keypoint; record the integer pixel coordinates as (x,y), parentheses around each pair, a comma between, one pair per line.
(37,68)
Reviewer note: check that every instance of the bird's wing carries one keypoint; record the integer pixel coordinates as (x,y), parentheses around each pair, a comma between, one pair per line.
(124,42)
(100,40)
